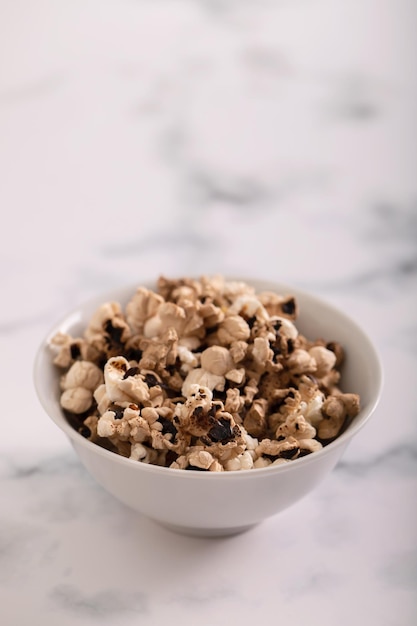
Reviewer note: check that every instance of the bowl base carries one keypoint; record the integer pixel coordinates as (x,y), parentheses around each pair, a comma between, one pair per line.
(206,532)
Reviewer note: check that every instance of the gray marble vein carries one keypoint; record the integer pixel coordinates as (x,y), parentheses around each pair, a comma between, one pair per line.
(107,604)
(206,188)
(318,581)
(24,468)
(400,571)
(17,540)
(163,239)
(400,459)
(203,597)
(356,98)
(42,88)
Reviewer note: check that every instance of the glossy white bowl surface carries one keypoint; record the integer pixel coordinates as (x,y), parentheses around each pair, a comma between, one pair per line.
(210,503)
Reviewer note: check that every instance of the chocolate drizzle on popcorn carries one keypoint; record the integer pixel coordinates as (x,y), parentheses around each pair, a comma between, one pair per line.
(203,375)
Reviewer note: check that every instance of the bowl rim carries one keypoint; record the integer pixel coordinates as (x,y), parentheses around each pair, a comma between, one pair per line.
(120,294)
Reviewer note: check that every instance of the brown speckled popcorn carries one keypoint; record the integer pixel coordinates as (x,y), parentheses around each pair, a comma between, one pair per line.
(203,375)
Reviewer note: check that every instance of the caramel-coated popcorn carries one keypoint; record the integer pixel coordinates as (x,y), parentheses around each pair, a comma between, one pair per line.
(203,375)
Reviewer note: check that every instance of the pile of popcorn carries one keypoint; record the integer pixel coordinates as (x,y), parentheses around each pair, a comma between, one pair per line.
(203,375)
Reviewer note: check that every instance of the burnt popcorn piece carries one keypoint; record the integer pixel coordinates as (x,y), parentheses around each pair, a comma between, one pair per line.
(171,457)
(289,453)
(281,399)
(76,420)
(133,354)
(335,347)
(276,349)
(151,380)
(216,407)
(168,427)
(221,431)
(289,306)
(114,333)
(196,468)
(85,431)
(251,321)
(117,410)
(132,371)
(75,351)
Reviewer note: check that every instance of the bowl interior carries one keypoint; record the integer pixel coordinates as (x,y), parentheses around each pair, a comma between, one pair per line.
(361,372)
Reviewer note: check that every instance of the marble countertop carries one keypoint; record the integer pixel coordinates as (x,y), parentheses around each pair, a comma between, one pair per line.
(269,139)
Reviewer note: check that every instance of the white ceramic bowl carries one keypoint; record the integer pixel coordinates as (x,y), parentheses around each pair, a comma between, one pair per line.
(210,503)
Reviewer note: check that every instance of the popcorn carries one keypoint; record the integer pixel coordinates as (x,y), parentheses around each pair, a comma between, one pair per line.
(335,411)
(201,459)
(242,462)
(249,306)
(255,419)
(203,375)
(295,426)
(217,360)
(275,304)
(301,362)
(142,453)
(325,360)
(288,448)
(233,328)
(107,330)
(188,359)
(77,400)
(82,374)
(159,351)
(238,350)
(197,459)
(142,307)
(101,398)
(216,365)
(285,328)
(78,385)
(66,348)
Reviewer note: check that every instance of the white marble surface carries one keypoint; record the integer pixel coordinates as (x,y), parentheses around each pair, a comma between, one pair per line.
(263,138)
